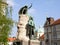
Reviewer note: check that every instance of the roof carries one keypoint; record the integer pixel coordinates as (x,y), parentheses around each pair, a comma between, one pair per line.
(49,21)
(11,39)
(42,37)
(56,22)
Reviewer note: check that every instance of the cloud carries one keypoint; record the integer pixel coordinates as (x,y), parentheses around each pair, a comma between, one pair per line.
(10,2)
(41,30)
(32,10)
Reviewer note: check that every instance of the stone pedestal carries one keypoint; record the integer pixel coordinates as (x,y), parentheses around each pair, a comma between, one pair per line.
(21,33)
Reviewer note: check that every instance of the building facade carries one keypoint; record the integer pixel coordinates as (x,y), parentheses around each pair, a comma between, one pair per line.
(3,7)
(56,32)
(51,31)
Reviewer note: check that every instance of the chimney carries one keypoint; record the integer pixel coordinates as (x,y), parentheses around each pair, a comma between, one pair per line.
(50,20)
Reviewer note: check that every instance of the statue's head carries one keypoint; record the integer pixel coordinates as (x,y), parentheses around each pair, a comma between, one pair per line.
(23,10)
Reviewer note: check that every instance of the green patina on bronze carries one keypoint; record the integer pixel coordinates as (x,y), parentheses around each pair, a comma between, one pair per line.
(31,22)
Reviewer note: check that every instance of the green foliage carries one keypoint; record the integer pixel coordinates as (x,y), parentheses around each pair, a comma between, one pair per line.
(5,26)
(6,23)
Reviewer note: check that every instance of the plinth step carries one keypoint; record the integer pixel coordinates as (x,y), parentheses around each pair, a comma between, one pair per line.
(32,42)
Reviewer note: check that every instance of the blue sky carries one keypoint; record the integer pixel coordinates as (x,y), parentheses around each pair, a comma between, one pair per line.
(39,11)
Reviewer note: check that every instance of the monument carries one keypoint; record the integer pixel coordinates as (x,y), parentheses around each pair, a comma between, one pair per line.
(23,20)
(25,26)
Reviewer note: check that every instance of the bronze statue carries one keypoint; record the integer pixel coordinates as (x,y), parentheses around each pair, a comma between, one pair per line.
(24,9)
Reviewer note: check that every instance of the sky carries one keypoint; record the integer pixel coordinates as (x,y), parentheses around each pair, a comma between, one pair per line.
(39,11)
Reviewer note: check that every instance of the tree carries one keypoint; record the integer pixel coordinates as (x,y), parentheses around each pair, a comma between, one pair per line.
(6,22)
